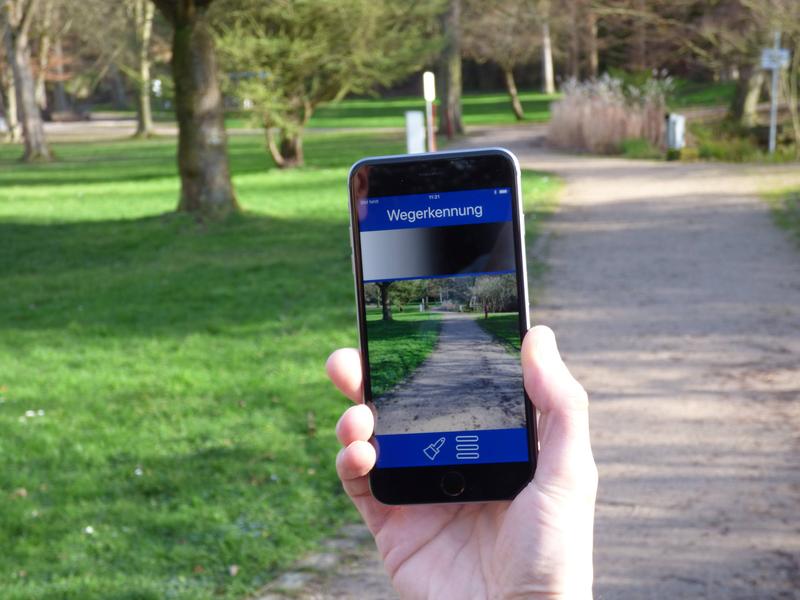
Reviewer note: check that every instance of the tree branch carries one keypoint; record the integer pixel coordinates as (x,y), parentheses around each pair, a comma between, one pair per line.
(27,18)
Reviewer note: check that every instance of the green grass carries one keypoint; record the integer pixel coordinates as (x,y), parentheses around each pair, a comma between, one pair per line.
(399,346)
(187,419)
(192,353)
(540,192)
(726,141)
(504,327)
(478,109)
(701,93)
(786,211)
(640,148)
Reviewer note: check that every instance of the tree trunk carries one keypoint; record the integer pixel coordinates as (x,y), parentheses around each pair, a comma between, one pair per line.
(19,54)
(206,188)
(574,41)
(511,86)
(60,101)
(119,95)
(548,78)
(592,58)
(639,50)
(44,56)
(792,85)
(386,311)
(744,106)
(287,150)
(450,120)
(9,92)
(143,10)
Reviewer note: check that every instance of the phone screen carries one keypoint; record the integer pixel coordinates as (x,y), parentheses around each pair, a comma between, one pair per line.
(440,282)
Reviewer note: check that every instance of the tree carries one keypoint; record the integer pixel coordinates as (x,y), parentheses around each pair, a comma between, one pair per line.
(18,15)
(206,188)
(288,57)
(120,41)
(548,74)
(592,54)
(496,293)
(8,97)
(500,32)
(386,305)
(45,29)
(143,12)
(733,33)
(450,72)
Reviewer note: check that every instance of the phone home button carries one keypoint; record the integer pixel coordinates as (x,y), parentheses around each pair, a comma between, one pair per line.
(453,483)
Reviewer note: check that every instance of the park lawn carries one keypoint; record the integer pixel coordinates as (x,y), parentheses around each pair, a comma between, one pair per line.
(399,346)
(166,427)
(701,93)
(477,109)
(492,108)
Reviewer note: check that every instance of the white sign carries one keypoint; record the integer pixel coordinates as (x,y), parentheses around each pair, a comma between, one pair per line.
(774,58)
(415,132)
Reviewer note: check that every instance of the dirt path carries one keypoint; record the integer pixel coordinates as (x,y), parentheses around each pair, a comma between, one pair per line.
(468,382)
(677,303)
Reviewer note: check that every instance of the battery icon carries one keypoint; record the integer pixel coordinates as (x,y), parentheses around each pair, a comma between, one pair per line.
(504,191)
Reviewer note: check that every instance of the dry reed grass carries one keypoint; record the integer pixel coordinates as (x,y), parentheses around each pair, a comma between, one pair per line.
(597,115)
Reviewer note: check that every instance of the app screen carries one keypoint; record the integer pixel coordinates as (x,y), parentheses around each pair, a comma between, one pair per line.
(442,324)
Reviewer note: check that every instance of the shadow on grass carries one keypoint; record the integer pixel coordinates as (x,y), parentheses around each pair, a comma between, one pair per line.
(169,275)
(113,162)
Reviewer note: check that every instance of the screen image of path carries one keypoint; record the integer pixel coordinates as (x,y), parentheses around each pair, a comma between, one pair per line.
(442,327)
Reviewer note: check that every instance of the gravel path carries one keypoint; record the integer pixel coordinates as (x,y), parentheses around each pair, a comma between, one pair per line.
(469,381)
(677,304)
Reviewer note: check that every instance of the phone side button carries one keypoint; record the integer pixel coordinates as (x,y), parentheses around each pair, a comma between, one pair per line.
(453,483)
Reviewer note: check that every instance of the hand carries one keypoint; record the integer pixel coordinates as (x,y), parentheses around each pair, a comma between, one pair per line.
(537,546)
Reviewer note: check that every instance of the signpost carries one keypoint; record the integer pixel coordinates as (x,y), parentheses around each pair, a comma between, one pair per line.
(774,59)
(429,92)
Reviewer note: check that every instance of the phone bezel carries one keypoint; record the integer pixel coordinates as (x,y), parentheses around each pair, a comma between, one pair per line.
(482,168)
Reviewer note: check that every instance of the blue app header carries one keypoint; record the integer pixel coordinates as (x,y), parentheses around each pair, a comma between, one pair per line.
(452,448)
(438,209)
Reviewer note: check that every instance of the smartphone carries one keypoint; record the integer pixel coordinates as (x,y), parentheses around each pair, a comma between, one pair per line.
(441,288)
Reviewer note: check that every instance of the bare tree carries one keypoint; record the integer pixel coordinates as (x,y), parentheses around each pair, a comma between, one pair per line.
(43,55)
(548,74)
(143,12)
(501,32)
(450,72)
(18,16)
(639,46)
(592,54)
(120,43)
(60,101)
(206,188)
(574,68)
(8,96)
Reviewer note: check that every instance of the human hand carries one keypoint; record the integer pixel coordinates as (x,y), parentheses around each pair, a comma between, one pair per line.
(537,546)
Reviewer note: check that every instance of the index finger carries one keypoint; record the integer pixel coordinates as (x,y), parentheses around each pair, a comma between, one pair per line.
(344,370)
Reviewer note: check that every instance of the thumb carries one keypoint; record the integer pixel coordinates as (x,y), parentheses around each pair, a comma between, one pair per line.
(565,467)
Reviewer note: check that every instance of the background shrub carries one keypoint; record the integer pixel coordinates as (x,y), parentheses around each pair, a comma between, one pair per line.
(599,115)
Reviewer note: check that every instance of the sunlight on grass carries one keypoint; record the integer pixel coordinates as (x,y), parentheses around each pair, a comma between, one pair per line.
(164,412)
(399,346)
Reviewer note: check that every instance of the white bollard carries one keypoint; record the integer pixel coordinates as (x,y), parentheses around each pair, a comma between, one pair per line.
(676,129)
(415,132)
